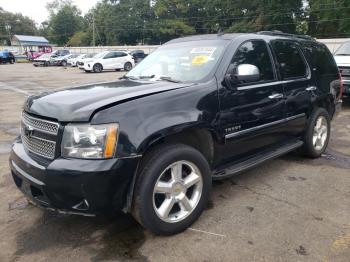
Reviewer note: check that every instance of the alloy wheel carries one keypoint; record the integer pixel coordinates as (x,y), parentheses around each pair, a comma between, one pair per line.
(320,133)
(177,191)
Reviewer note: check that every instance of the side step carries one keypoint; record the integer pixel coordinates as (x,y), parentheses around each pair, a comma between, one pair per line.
(230,170)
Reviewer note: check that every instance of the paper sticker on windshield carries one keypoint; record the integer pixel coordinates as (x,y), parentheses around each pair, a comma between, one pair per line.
(209,50)
(200,59)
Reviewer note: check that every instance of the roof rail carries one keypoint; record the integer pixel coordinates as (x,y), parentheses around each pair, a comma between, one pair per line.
(280,33)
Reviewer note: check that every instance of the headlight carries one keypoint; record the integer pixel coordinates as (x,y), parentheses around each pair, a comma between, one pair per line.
(89,141)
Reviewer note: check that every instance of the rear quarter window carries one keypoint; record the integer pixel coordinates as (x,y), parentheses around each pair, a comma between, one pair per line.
(321,59)
(290,60)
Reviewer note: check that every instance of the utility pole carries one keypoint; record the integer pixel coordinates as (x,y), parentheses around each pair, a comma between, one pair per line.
(93,28)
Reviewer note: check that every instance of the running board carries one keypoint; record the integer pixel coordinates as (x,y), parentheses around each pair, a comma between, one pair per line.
(230,170)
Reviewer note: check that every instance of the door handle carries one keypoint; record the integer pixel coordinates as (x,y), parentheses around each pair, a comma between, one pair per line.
(276,96)
(311,88)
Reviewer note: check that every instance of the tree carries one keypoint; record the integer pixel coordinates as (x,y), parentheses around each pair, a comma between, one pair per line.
(11,24)
(64,21)
(79,39)
(329,18)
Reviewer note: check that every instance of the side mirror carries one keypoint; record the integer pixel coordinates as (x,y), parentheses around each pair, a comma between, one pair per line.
(247,73)
(244,73)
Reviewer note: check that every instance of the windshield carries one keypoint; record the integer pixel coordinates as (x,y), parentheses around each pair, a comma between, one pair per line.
(344,49)
(184,61)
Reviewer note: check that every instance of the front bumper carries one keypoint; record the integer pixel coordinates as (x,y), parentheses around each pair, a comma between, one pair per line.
(86,187)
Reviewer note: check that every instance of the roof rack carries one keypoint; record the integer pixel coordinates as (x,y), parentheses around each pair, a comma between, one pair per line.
(280,33)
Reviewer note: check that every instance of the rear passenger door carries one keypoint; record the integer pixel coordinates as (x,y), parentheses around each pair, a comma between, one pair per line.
(252,113)
(298,85)
(120,60)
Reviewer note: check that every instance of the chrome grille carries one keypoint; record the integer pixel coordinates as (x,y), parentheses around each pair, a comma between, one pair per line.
(41,125)
(33,136)
(344,71)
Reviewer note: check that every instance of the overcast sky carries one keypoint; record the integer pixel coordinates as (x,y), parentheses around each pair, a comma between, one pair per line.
(36,10)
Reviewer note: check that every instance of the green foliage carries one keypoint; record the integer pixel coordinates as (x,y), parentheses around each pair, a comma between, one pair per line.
(79,39)
(65,20)
(329,18)
(11,24)
(118,22)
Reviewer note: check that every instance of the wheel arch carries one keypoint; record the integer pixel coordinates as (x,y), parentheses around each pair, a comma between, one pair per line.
(202,139)
(327,102)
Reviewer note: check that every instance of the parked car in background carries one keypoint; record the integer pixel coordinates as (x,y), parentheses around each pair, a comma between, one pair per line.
(74,61)
(7,57)
(43,60)
(199,108)
(342,57)
(89,57)
(109,60)
(58,53)
(62,60)
(138,55)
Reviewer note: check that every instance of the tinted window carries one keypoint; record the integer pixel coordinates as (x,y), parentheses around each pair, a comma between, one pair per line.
(254,53)
(321,59)
(290,60)
(111,55)
(121,54)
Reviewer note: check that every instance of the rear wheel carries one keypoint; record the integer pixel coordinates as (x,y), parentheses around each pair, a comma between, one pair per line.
(46,63)
(172,189)
(12,61)
(97,68)
(317,134)
(127,66)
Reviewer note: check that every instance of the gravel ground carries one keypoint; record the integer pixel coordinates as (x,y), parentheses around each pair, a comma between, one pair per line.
(289,209)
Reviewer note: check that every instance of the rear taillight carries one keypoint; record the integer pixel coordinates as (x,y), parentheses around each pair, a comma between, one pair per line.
(341,87)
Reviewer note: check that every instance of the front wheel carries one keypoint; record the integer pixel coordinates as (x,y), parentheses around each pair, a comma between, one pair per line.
(97,68)
(172,189)
(64,63)
(317,134)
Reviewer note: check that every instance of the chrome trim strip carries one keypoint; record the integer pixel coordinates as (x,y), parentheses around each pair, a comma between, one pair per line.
(26,175)
(228,136)
(132,156)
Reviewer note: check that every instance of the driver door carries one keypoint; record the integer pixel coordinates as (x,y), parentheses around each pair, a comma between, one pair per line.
(252,113)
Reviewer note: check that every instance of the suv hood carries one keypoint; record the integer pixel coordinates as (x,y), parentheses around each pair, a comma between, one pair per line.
(80,103)
(342,60)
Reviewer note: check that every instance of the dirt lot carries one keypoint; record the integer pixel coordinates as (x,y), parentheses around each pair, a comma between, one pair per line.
(289,209)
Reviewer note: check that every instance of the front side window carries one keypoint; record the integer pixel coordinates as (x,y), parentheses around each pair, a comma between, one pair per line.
(255,53)
(290,60)
(111,55)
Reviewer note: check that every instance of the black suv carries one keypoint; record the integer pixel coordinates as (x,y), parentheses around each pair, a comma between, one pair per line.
(197,109)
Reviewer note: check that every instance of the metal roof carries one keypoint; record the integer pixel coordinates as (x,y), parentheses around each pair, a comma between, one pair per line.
(30,40)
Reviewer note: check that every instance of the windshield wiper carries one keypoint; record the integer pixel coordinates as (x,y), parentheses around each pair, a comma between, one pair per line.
(169,79)
(129,77)
(147,77)
(343,54)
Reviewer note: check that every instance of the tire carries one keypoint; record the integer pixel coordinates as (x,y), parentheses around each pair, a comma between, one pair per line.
(64,63)
(157,166)
(97,68)
(12,61)
(46,64)
(127,66)
(317,133)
